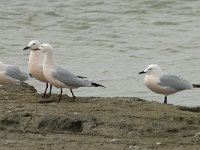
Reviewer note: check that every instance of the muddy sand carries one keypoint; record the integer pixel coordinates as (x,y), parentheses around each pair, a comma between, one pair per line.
(30,122)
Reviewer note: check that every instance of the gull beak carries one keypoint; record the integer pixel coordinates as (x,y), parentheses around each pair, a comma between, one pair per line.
(25,48)
(142,72)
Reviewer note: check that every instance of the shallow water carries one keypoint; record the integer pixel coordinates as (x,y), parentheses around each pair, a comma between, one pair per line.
(108,41)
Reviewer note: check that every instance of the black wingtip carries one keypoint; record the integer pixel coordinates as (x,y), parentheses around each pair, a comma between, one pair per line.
(30,75)
(196,85)
(81,77)
(97,85)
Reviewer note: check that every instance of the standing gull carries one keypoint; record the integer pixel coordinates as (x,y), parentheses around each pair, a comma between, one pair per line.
(35,65)
(10,74)
(58,76)
(165,84)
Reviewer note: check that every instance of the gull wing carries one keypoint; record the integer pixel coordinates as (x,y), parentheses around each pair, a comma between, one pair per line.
(174,82)
(16,73)
(68,78)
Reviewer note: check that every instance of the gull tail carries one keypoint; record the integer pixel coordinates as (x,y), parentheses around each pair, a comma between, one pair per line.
(97,85)
(196,85)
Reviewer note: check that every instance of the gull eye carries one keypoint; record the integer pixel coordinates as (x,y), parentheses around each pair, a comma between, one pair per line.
(33,43)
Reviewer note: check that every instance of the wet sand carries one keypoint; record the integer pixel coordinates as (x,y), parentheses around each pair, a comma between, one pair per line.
(27,121)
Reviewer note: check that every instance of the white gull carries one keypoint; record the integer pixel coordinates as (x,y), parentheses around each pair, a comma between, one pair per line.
(60,77)
(10,74)
(35,65)
(164,84)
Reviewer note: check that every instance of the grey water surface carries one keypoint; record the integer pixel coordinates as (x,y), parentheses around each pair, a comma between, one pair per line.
(108,41)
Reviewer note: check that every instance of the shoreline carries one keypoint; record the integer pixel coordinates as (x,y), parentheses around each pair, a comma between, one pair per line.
(30,122)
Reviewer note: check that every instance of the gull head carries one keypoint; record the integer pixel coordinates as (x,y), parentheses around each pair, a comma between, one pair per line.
(33,45)
(152,69)
(46,47)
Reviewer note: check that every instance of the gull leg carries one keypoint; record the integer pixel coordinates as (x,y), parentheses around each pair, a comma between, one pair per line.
(72,94)
(49,95)
(44,95)
(60,95)
(165,101)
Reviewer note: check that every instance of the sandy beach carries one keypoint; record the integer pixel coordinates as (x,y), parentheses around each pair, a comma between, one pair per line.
(27,121)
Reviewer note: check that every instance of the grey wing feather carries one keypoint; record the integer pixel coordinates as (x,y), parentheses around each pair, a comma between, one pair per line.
(69,79)
(174,82)
(15,73)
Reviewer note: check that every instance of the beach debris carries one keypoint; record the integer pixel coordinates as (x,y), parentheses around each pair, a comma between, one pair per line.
(197,134)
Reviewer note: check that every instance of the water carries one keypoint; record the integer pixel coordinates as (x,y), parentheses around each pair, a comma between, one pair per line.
(108,41)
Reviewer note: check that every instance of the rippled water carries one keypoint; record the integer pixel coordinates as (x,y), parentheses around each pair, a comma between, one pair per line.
(109,41)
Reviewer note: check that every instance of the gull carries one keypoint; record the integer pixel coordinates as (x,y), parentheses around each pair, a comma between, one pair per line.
(164,84)
(60,77)
(10,74)
(35,65)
